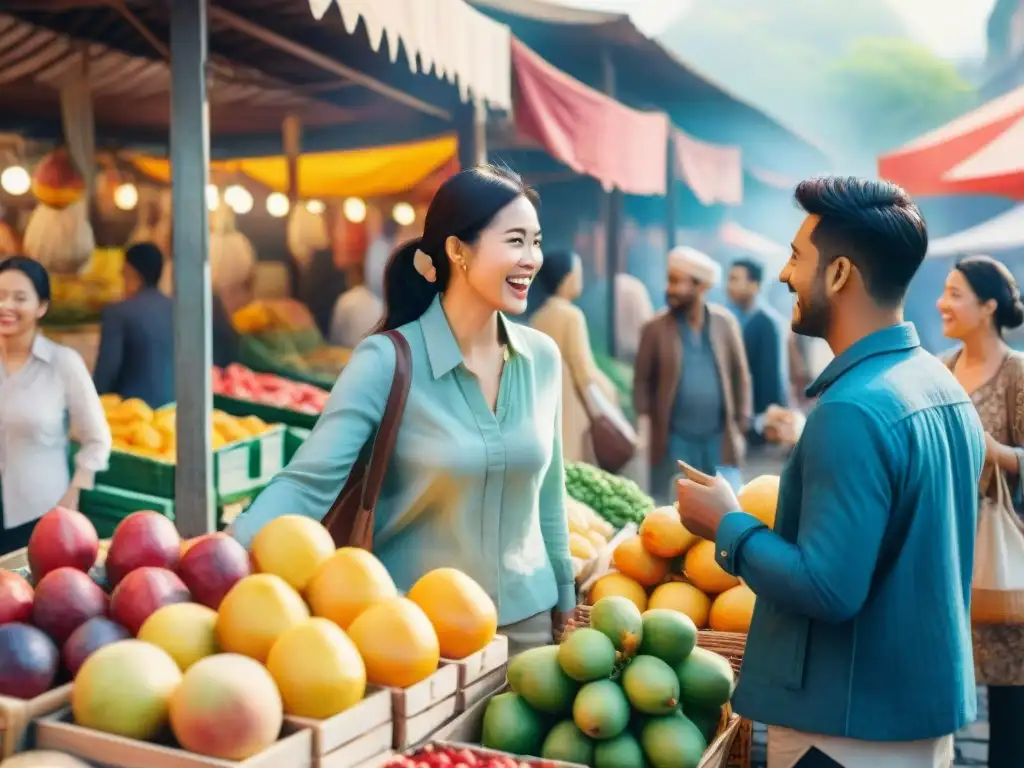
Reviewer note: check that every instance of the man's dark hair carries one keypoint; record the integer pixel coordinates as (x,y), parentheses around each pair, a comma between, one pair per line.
(875,224)
(148,261)
(753,268)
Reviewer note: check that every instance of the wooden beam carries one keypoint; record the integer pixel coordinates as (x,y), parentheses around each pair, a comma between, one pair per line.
(612,216)
(326,63)
(194,504)
(471,125)
(670,191)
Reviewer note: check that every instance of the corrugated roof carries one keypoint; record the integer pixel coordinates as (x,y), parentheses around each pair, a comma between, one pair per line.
(130,91)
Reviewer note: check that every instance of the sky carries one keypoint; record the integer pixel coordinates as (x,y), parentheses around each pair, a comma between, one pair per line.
(952,28)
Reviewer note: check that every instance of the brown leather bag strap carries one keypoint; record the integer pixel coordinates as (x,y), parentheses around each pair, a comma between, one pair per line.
(387,433)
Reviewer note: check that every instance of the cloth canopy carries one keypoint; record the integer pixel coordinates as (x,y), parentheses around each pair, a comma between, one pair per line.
(980,153)
(450,37)
(1001,233)
(714,172)
(372,172)
(591,133)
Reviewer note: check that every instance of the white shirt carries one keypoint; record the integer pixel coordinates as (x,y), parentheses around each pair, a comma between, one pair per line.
(356,313)
(36,403)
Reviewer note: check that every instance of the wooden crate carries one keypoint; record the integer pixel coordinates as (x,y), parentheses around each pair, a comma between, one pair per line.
(354,736)
(59,733)
(481,688)
(481,663)
(421,709)
(17,714)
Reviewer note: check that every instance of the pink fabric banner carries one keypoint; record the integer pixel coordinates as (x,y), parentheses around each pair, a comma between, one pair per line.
(714,172)
(589,132)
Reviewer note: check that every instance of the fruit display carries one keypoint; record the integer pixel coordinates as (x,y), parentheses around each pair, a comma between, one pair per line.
(80,297)
(633,689)
(240,383)
(617,499)
(665,566)
(430,755)
(138,429)
(196,634)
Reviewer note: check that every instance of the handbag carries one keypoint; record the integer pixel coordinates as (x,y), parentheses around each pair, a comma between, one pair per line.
(997,587)
(350,518)
(612,437)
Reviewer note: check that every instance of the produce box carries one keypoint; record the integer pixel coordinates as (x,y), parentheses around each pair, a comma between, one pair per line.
(57,731)
(16,715)
(480,673)
(106,507)
(237,468)
(421,709)
(271,414)
(354,736)
(294,437)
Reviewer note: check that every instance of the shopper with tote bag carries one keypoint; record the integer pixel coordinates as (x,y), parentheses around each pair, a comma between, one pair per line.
(440,446)
(980,300)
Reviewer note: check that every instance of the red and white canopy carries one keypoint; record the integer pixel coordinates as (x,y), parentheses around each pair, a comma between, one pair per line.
(980,153)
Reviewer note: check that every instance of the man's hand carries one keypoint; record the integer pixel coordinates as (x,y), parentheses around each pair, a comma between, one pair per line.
(703,505)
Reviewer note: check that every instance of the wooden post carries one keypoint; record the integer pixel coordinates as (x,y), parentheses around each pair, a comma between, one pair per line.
(291,134)
(613,219)
(471,128)
(670,191)
(194,502)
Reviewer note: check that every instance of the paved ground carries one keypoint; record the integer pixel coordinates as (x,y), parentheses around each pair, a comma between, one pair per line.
(971,743)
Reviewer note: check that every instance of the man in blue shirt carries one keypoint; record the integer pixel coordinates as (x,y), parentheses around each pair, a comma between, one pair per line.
(860,645)
(136,356)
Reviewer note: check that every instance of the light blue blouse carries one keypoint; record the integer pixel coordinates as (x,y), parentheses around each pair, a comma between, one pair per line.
(467,487)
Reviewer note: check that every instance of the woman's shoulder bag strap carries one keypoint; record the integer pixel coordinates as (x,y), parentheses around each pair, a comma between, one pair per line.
(350,518)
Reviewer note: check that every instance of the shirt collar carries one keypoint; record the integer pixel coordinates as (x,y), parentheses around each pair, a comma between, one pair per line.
(442,348)
(43,348)
(895,338)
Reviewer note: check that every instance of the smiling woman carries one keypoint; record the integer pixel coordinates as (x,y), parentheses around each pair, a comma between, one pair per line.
(475,480)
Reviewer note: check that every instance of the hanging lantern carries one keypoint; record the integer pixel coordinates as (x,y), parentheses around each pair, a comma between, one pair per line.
(15,181)
(56,182)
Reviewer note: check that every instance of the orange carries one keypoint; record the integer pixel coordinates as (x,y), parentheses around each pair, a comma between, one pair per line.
(617,584)
(292,547)
(733,610)
(760,498)
(632,559)
(703,570)
(348,583)
(463,614)
(397,642)
(682,597)
(257,611)
(664,535)
(318,670)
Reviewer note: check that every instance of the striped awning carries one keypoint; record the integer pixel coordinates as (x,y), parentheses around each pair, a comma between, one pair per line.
(449,37)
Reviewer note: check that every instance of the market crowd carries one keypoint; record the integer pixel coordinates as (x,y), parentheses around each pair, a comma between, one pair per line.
(862,648)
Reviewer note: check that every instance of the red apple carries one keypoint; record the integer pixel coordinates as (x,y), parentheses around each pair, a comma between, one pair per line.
(16,597)
(143,539)
(212,566)
(65,599)
(62,538)
(142,592)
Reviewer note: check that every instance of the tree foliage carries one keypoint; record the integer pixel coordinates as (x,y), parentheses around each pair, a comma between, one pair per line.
(841,72)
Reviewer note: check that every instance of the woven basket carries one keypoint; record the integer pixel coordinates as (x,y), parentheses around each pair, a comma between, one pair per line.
(732,747)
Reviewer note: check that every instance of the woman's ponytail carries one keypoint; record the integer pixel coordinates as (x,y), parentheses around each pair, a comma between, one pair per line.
(463,207)
(407,293)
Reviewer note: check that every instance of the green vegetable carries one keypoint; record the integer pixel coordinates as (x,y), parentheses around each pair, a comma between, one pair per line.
(617,499)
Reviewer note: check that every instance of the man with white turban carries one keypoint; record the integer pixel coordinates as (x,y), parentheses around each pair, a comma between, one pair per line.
(692,388)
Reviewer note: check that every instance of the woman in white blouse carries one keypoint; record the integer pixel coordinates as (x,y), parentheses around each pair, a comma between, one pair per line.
(44,389)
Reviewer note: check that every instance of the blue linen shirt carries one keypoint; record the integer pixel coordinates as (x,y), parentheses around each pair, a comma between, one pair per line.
(467,487)
(832,649)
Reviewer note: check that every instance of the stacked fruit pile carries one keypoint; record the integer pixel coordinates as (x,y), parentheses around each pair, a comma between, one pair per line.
(630,690)
(198,632)
(617,499)
(666,566)
(268,389)
(138,429)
